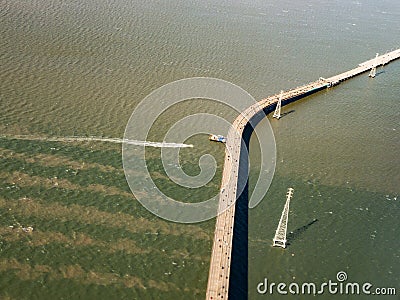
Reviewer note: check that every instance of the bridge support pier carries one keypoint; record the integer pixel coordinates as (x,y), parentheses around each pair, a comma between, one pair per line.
(277,113)
(372,74)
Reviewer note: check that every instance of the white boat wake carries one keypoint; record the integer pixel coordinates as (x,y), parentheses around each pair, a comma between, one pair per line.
(101,139)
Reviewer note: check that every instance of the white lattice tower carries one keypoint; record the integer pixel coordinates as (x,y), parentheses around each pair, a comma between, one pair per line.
(277,113)
(373,70)
(280,234)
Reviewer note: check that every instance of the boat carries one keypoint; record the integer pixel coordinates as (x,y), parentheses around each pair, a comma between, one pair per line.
(217,138)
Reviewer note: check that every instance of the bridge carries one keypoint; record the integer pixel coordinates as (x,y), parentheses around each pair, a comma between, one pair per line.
(218,278)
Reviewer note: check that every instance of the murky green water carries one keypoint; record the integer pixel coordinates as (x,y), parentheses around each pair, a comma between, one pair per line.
(81,67)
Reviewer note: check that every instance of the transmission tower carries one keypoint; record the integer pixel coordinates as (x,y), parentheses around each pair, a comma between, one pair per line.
(277,113)
(373,70)
(280,234)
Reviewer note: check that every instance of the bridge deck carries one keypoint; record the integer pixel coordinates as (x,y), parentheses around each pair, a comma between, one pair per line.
(218,279)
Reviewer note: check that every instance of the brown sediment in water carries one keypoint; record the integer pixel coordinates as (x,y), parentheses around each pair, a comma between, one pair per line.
(51,160)
(25,271)
(94,216)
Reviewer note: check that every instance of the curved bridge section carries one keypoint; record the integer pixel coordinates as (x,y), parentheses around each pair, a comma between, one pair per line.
(218,279)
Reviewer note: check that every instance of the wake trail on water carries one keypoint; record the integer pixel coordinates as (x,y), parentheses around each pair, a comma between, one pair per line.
(101,139)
